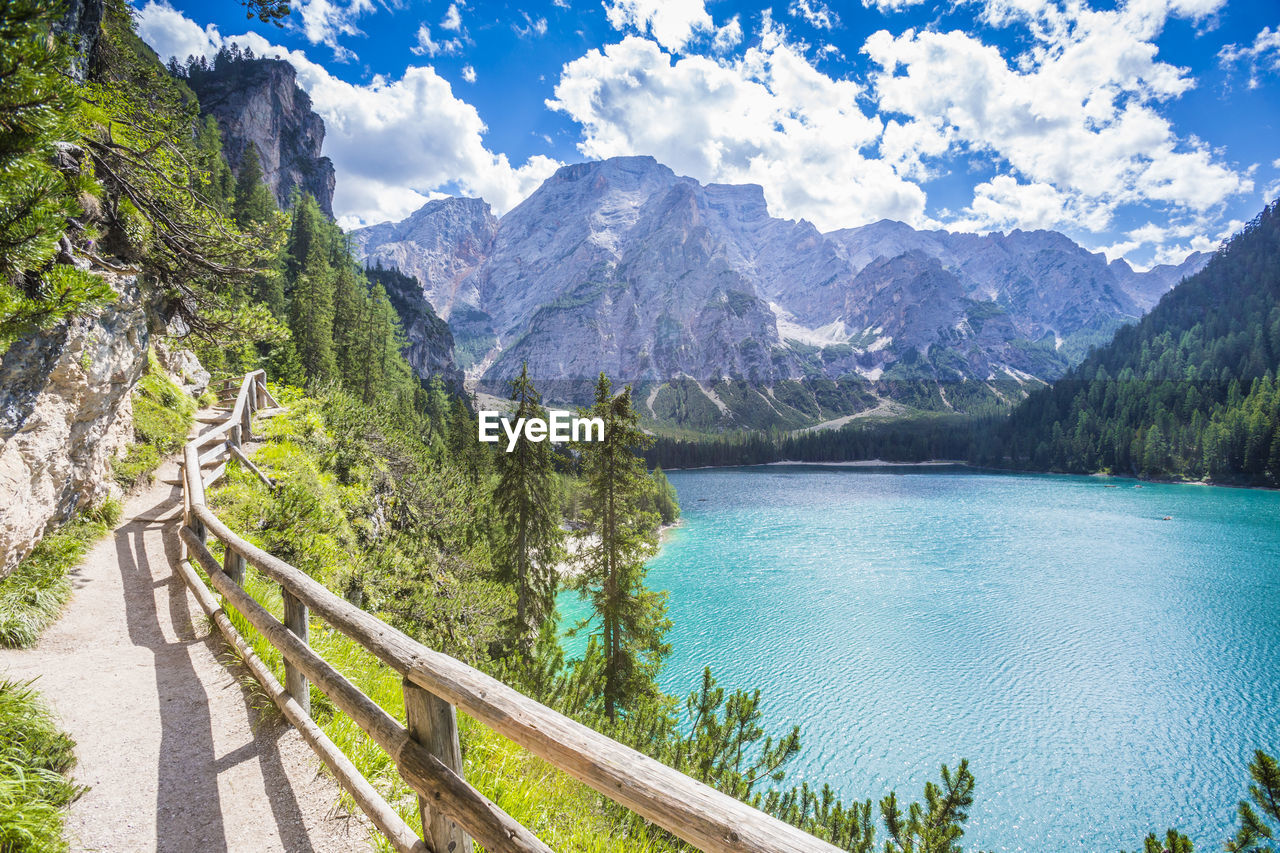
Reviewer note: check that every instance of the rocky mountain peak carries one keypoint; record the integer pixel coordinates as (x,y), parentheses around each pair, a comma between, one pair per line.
(258,101)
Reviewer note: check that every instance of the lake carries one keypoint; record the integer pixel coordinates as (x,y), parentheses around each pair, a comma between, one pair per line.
(1105,671)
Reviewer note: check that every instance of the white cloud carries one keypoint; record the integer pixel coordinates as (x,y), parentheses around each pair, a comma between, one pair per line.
(1075,116)
(394,143)
(452,18)
(323,21)
(888,6)
(673,23)
(814,12)
(769,118)
(1004,203)
(429,47)
(533,27)
(170,33)
(728,37)
(1263,55)
(469,73)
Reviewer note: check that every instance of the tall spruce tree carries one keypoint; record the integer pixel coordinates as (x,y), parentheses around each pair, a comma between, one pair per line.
(220,183)
(620,535)
(529,541)
(253,203)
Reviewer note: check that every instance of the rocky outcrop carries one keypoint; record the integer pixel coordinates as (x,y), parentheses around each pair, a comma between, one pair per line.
(65,412)
(81,23)
(440,245)
(259,101)
(429,343)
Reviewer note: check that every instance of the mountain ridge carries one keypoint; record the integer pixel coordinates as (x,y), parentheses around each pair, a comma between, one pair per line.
(624,266)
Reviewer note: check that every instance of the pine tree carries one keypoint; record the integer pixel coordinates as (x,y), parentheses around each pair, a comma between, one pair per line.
(618,539)
(220,189)
(311,319)
(529,539)
(1254,834)
(36,99)
(253,202)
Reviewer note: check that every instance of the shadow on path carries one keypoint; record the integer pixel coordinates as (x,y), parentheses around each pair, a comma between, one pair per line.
(190,815)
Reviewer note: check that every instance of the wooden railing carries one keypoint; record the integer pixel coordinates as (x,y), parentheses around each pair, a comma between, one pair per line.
(426,751)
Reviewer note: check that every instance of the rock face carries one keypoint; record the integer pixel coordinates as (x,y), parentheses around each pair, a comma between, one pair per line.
(259,101)
(81,22)
(440,245)
(65,412)
(430,343)
(624,266)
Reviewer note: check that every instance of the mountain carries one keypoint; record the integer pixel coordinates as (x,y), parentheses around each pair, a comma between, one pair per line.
(1189,391)
(259,101)
(429,343)
(723,315)
(440,245)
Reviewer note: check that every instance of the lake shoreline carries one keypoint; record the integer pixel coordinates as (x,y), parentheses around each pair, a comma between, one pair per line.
(958,463)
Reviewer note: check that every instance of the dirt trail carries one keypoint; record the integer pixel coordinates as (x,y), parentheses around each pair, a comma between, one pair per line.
(176,758)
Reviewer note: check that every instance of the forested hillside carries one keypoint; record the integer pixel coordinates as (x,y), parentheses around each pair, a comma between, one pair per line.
(384,491)
(1188,391)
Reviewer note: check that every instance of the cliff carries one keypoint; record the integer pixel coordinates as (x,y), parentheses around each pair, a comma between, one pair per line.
(65,413)
(259,101)
(429,343)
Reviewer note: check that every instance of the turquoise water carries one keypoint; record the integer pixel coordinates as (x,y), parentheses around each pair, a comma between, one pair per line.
(1105,672)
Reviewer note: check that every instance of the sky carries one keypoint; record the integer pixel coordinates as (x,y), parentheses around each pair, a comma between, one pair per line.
(1145,129)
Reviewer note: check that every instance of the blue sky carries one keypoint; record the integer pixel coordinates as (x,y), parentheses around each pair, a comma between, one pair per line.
(1142,128)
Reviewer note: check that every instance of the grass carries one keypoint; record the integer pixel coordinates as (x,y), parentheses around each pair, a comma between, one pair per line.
(565,814)
(35,755)
(162,417)
(32,596)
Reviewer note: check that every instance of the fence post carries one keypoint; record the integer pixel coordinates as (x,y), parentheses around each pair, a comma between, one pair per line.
(433,723)
(233,564)
(295,619)
(246,421)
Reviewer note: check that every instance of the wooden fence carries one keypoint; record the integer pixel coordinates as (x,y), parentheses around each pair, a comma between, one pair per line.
(426,751)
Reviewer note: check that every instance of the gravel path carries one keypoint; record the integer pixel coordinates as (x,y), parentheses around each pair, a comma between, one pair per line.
(175,757)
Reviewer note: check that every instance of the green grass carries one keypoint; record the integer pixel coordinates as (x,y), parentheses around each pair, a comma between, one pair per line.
(565,814)
(32,596)
(162,417)
(35,755)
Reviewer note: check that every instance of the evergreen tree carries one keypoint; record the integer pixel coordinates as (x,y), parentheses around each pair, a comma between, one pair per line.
(1255,835)
(311,319)
(253,203)
(36,99)
(619,537)
(528,542)
(220,184)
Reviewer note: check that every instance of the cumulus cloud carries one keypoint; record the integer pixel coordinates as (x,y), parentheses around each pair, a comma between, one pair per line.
(888,6)
(815,13)
(673,23)
(394,143)
(170,33)
(1261,56)
(768,118)
(429,47)
(452,18)
(469,73)
(1075,117)
(728,37)
(323,21)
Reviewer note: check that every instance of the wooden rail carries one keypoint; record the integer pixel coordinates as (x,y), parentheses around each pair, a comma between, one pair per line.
(426,751)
